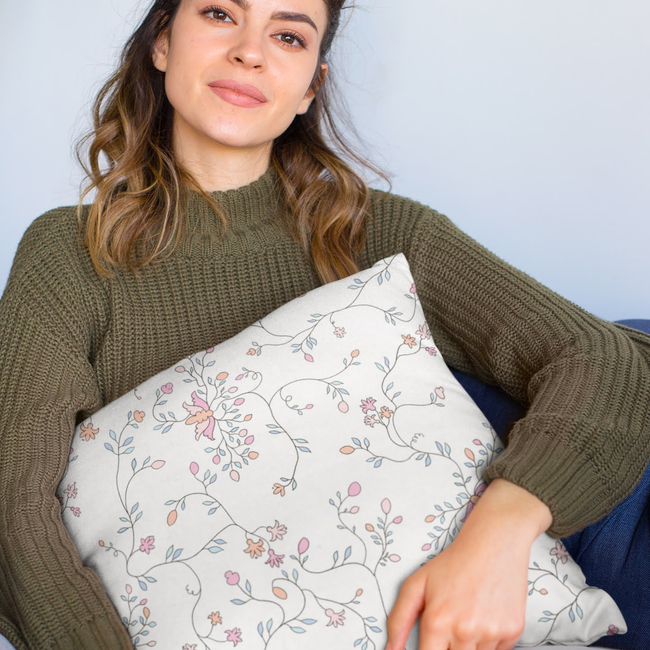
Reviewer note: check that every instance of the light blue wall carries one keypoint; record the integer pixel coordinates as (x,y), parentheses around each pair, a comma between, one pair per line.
(526,123)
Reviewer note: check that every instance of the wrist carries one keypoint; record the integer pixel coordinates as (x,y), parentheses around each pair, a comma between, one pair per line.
(509,507)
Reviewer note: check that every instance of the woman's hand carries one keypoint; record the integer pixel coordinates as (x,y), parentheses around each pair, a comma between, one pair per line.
(472,595)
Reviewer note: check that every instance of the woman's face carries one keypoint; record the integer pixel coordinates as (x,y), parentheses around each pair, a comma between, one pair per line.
(250,42)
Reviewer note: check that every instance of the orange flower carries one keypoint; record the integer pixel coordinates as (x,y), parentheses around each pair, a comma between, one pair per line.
(408,340)
(254,548)
(386,412)
(279,489)
(139,416)
(347,450)
(251,351)
(88,433)
(215,618)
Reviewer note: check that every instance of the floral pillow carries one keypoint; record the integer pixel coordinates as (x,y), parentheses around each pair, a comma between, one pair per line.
(275,490)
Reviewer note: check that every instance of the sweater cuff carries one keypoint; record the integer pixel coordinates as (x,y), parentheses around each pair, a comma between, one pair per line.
(557,470)
(97,633)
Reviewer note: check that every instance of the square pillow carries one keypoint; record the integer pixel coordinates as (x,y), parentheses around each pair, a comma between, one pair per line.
(275,490)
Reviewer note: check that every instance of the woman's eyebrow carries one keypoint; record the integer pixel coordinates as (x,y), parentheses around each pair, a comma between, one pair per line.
(281,15)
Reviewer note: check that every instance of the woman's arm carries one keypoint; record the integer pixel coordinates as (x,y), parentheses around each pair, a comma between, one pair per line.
(474,592)
(584,443)
(46,385)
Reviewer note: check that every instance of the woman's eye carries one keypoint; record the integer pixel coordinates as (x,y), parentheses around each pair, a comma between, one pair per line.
(216,10)
(300,42)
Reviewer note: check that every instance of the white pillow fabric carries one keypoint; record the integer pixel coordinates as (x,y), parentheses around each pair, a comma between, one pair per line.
(275,490)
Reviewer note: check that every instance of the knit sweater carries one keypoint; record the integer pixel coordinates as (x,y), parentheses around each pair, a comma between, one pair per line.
(71,342)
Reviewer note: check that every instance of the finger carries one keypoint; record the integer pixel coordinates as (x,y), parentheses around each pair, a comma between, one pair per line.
(488,645)
(507,645)
(435,634)
(407,608)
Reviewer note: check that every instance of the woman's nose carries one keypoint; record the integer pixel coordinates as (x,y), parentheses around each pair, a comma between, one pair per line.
(248,50)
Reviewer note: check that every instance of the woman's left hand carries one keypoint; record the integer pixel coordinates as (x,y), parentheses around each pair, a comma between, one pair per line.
(472,595)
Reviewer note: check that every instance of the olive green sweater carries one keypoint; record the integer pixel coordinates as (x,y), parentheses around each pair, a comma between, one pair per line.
(71,343)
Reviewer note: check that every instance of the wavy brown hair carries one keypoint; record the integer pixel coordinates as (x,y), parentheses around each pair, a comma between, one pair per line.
(141,196)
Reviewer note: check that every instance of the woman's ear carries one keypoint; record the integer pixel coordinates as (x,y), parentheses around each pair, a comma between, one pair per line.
(311,93)
(160,51)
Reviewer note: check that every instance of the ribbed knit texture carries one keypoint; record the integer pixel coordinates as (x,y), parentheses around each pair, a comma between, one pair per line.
(71,343)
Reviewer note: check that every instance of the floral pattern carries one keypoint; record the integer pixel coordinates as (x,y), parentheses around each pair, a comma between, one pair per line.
(275,490)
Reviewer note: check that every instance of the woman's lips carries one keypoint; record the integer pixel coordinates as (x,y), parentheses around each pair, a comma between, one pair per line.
(236,98)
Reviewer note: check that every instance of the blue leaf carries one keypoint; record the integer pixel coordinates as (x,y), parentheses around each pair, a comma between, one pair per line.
(109,447)
(236,601)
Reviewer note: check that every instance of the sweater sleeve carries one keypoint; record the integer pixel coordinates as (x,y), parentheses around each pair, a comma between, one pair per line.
(584,442)
(48,598)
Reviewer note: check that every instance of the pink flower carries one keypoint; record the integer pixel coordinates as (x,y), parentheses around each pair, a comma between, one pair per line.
(440,392)
(274,560)
(432,351)
(146,544)
(232,578)
(234,635)
(76,511)
(336,618)
(201,415)
(303,545)
(167,388)
(612,630)
(560,551)
(277,531)
(340,332)
(368,404)
(385,506)
(187,646)
(412,289)
(354,489)
(423,331)
(71,490)
(370,420)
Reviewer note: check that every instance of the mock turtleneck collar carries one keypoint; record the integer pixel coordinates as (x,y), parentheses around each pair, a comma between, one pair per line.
(253,212)
(258,200)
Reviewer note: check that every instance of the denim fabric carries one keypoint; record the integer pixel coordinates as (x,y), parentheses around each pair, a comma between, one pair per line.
(613,553)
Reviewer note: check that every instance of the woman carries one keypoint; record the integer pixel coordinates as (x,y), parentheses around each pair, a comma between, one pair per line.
(223,201)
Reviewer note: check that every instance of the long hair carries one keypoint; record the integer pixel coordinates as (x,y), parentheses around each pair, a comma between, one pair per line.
(141,196)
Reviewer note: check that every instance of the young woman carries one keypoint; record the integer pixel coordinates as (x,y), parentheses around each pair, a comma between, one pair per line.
(222,201)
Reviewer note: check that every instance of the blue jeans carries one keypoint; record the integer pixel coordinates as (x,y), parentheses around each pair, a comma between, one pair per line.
(613,553)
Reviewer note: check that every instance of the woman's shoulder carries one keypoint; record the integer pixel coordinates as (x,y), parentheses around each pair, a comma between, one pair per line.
(394,222)
(52,241)
(52,268)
